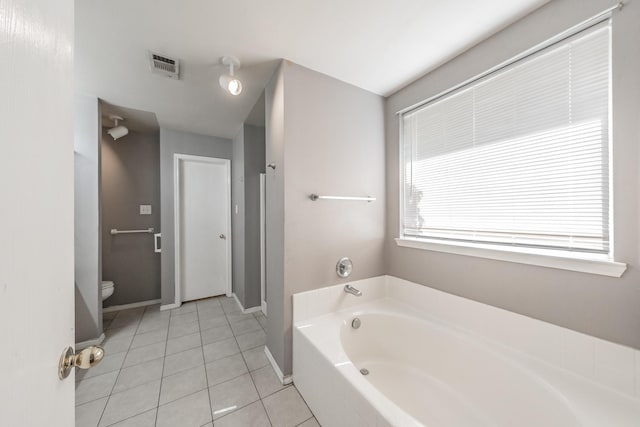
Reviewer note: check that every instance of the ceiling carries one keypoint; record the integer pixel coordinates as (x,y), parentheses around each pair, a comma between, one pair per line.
(378,45)
(135,120)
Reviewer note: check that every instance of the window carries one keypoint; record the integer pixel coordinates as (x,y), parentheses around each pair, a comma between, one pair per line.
(518,159)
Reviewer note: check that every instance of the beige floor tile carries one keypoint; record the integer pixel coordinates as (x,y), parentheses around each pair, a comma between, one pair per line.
(88,414)
(239,316)
(255,358)
(181,361)
(158,366)
(266,381)
(146,419)
(213,322)
(252,415)
(127,331)
(186,342)
(286,408)
(262,319)
(144,354)
(95,387)
(183,329)
(116,345)
(209,311)
(232,395)
(225,369)
(139,374)
(216,334)
(209,302)
(183,384)
(148,338)
(190,411)
(186,307)
(245,326)
(152,324)
(184,318)
(219,349)
(131,402)
(311,422)
(251,340)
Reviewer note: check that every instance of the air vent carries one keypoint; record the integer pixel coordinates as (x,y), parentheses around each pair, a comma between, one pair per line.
(164,65)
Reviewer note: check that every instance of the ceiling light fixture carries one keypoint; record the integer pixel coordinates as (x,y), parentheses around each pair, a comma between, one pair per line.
(116,131)
(229,82)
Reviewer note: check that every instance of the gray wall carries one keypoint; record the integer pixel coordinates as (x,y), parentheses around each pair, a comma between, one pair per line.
(254,165)
(274,129)
(605,307)
(172,142)
(130,178)
(238,214)
(87,262)
(332,143)
(247,164)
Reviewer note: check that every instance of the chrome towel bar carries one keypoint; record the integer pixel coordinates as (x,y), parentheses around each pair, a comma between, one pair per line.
(115,231)
(315,197)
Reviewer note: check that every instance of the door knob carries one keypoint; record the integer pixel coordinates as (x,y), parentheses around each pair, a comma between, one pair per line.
(223,237)
(85,359)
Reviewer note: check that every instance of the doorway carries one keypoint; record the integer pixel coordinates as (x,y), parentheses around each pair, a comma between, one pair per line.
(202,227)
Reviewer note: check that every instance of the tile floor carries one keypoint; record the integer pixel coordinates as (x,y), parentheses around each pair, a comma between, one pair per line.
(202,364)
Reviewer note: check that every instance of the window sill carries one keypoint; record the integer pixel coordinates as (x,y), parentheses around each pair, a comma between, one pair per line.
(602,267)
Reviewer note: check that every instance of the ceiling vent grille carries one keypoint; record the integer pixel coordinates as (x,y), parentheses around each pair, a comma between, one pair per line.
(164,65)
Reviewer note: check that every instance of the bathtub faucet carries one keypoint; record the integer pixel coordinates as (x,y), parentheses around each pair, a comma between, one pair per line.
(351,290)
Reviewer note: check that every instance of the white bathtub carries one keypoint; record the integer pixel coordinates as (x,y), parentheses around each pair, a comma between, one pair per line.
(428,371)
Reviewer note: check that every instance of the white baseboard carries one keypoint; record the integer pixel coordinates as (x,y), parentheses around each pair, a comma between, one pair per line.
(128,306)
(284,380)
(169,306)
(84,344)
(246,310)
(264,308)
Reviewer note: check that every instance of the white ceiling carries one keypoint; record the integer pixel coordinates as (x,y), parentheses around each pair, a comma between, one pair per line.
(378,45)
(136,120)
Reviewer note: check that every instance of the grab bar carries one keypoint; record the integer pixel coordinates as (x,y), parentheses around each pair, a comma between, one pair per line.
(315,197)
(115,231)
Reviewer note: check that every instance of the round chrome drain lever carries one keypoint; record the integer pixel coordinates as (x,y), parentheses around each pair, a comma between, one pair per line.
(364,371)
(355,323)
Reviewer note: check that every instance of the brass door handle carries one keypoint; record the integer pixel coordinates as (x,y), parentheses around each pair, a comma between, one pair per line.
(85,359)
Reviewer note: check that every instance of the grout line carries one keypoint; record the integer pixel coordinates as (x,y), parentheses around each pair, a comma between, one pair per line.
(244,360)
(162,372)
(120,370)
(284,387)
(204,360)
(199,331)
(128,418)
(307,405)
(181,397)
(297,425)
(264,408)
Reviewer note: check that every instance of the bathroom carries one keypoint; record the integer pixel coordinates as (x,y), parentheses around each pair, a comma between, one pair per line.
(319,143)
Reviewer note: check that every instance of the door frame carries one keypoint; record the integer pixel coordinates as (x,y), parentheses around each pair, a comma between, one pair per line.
(263,259)
(177,159)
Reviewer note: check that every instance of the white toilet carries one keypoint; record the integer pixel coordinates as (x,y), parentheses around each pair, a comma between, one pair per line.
(107,289)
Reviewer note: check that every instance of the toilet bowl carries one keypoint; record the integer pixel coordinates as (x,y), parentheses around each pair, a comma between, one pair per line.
(107,289)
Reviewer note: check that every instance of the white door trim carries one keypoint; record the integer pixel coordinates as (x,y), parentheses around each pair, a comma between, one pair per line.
(263,273)
(177,158)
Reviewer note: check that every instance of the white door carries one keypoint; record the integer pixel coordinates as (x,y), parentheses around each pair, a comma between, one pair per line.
(36,211)
(204,225)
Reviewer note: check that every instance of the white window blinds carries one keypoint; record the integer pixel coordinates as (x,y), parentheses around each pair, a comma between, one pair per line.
(520,157)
